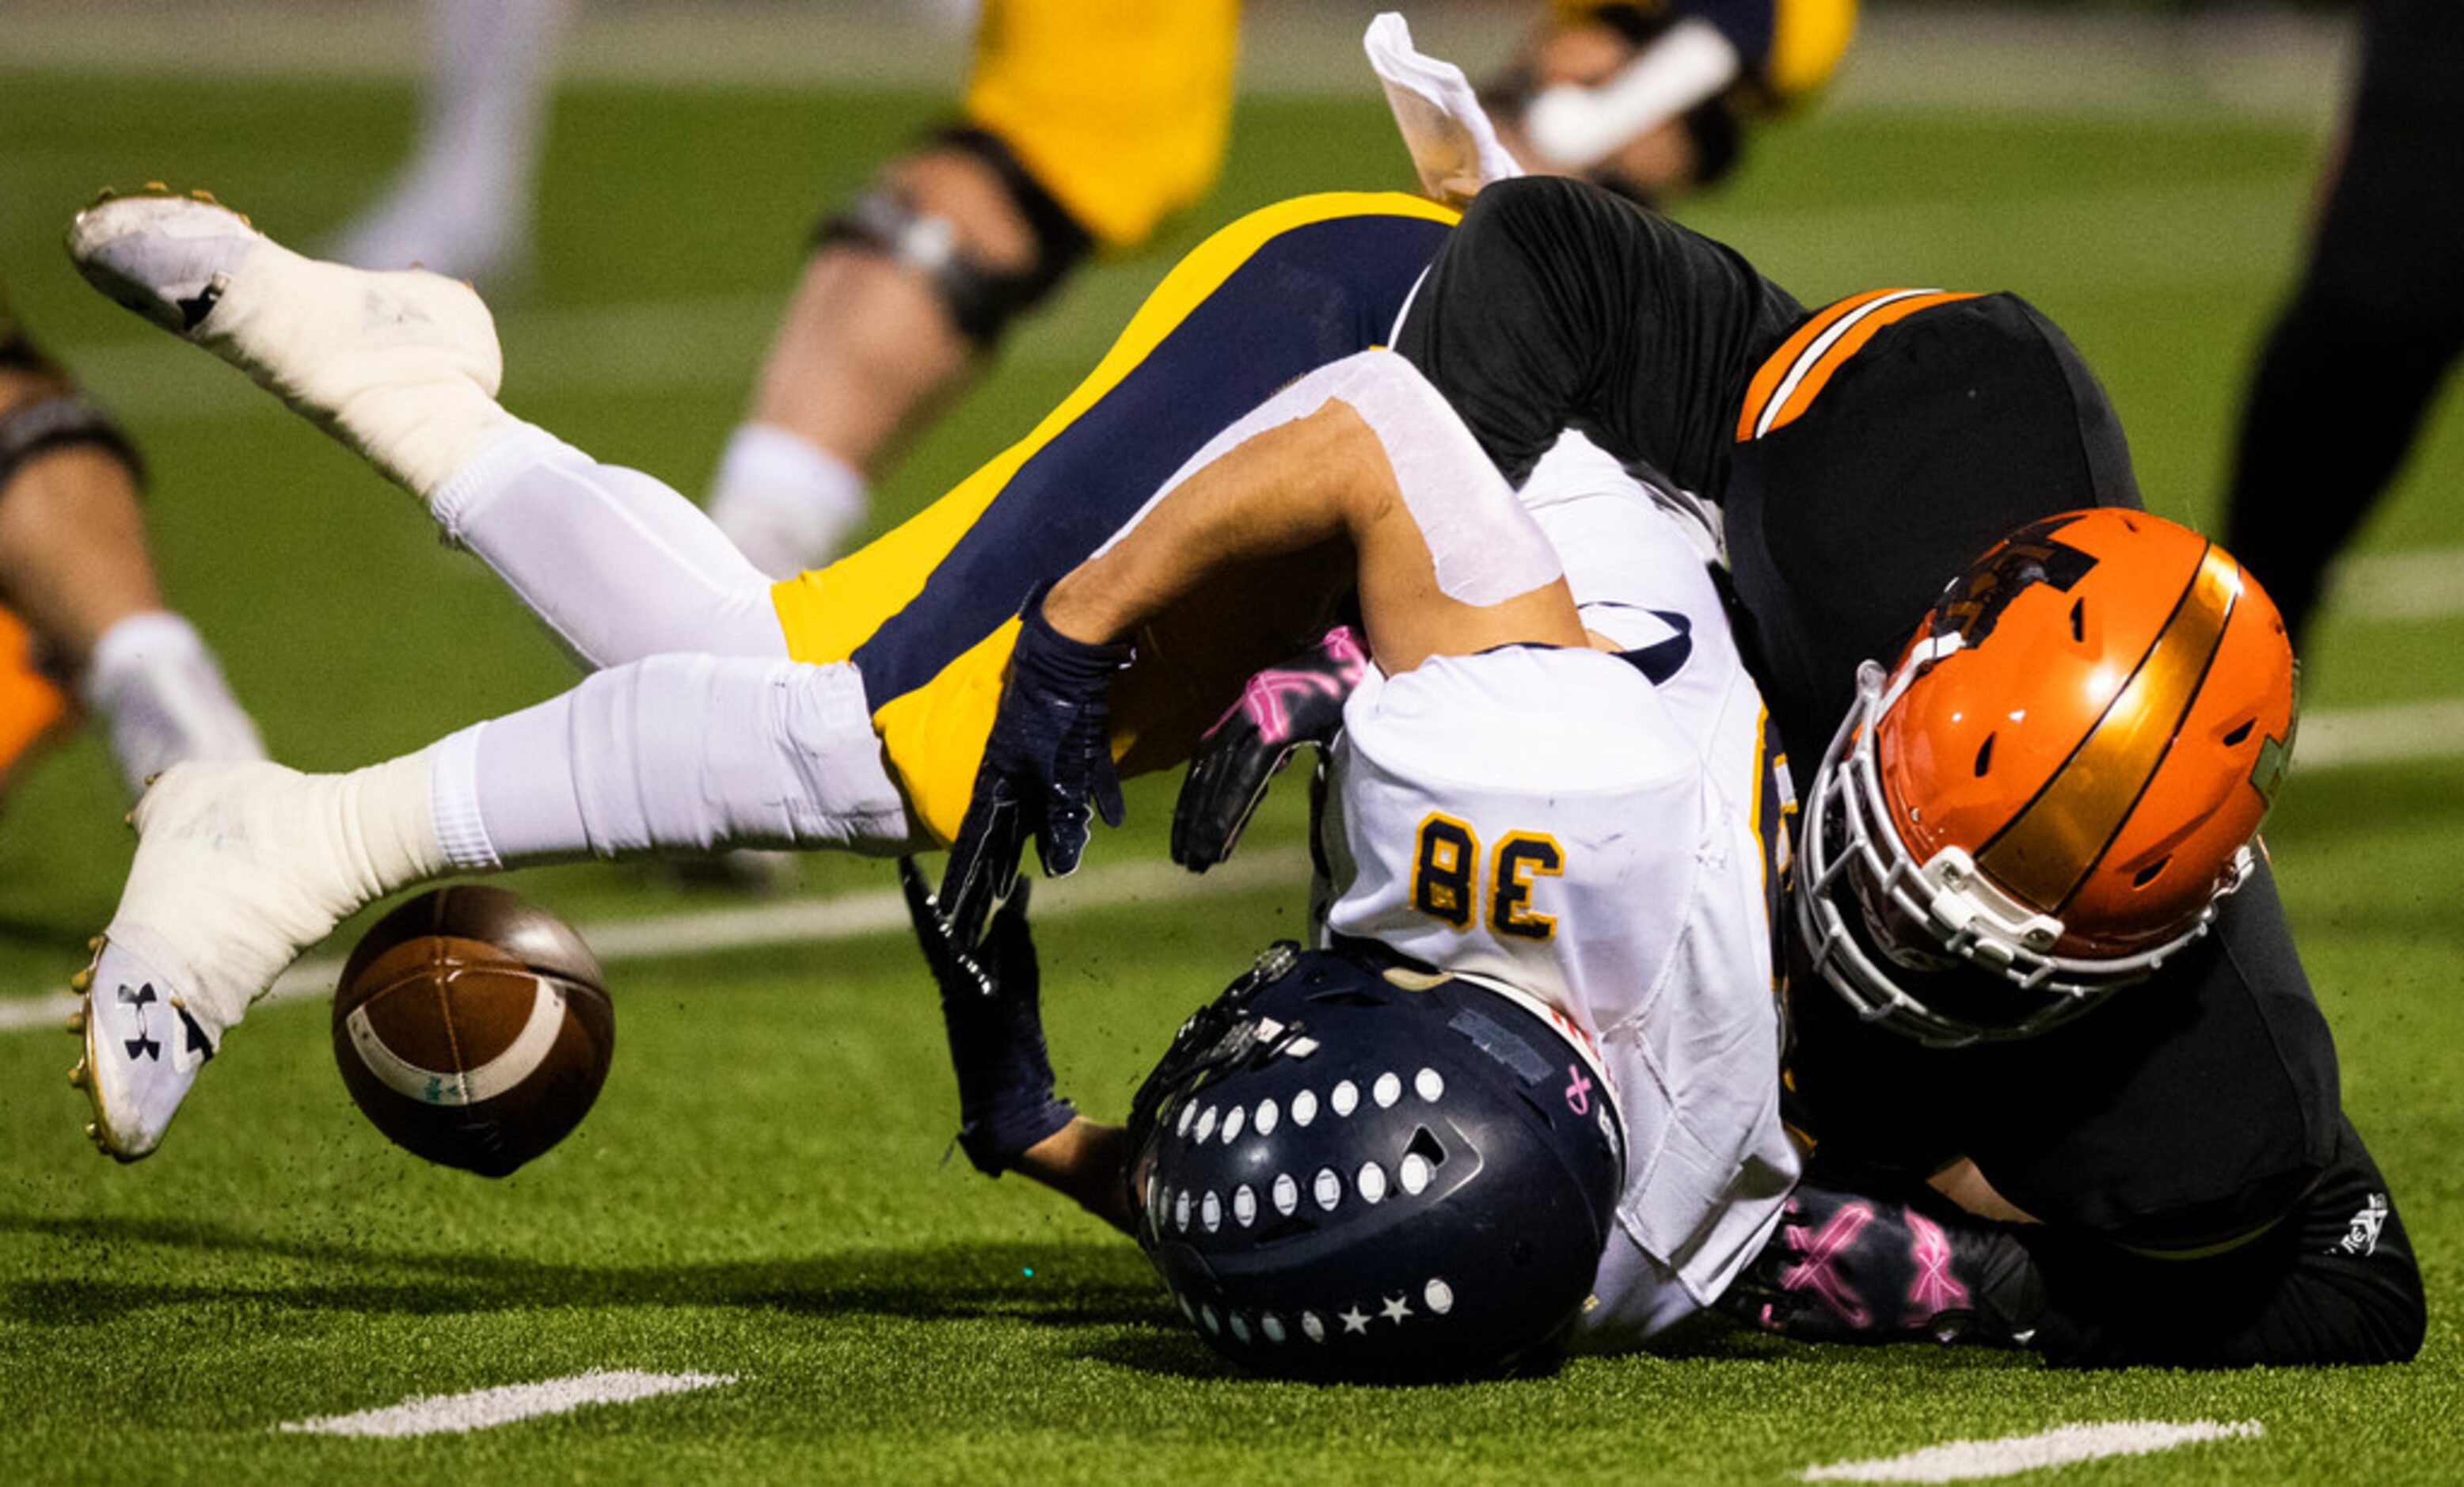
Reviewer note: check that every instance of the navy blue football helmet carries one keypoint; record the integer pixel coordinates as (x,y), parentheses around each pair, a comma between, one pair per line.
(1350,1169)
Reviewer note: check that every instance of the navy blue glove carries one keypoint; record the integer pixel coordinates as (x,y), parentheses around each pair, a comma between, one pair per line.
(1050,754)
(1282,708)
(1850,1267)
(991,1009)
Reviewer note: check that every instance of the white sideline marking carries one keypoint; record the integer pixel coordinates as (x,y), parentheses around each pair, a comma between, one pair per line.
(439,1415)
(802,922)
(2424,584)
(1965,1461)
(2390,733)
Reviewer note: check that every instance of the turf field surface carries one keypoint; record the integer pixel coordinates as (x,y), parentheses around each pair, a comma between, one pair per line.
(763,1195)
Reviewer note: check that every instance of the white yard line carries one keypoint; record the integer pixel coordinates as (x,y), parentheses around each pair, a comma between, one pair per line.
(1967,1461)
(441,1414)
(2393,734)
(2427,584)
(800,921)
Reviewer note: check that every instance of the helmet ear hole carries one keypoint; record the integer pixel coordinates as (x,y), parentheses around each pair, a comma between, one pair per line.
(1427,1147)
(2149,873)
(2079,622)
(2241,731)
(1985,755)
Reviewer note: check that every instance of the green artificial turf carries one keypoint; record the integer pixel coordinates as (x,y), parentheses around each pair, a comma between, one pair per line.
(765,1189)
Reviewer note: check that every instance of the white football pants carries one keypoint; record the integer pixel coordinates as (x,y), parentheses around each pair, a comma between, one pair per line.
(695,732)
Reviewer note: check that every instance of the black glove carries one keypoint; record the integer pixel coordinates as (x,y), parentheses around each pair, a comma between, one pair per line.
(991,1009)
(1282,708)
(1849,1267)
(1049,753)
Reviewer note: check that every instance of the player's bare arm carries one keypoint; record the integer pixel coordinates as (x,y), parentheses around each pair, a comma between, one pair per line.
(1362,452)
(1325,477)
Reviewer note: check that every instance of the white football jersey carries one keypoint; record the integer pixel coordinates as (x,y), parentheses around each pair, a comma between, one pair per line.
(1585,828)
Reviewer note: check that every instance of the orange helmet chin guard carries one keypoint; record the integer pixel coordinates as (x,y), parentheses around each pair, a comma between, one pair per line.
(2059,785)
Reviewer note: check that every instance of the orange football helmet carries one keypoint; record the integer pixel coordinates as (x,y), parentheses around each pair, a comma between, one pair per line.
(2058,785)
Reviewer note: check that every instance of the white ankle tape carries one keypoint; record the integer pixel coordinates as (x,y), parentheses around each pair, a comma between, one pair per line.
(403,368)
(389,839)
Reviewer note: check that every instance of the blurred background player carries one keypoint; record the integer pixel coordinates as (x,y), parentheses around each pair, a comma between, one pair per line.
(1084,125)
(2350,369)
(1652,99)
(462,205)
(1087,122)
(85,629)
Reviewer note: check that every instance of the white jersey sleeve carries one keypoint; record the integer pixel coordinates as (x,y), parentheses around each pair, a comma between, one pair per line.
(1548,820)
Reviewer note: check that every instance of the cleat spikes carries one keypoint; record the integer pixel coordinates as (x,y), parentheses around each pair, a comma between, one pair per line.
(207,197)
(79,1079)
(82,981)
(156,185)
(93,942)
(76,1021)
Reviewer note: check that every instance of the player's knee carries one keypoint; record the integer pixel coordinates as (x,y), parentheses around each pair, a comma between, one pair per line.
(968,217)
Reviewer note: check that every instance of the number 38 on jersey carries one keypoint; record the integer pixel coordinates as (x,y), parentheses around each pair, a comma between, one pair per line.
(1454,882)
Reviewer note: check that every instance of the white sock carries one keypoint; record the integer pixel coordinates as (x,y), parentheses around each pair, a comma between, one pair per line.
(618,565)
(163,699)
(676,753)
(463,204)
(786,503)
(240,867)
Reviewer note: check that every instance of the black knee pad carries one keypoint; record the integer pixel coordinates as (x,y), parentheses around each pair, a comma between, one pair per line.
(981,300)
(42,425)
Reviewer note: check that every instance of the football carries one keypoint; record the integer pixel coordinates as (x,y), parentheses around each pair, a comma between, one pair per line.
(474,1028)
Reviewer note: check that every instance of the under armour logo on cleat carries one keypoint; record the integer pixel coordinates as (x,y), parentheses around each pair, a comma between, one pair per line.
(140,1046)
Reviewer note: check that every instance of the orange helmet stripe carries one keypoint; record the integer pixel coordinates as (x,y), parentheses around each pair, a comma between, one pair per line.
(2047,850)
(1775,368)
(1797,391)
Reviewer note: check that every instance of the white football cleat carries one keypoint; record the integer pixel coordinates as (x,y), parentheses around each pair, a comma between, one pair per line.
(239,867)
(142,1051)
(402,368)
